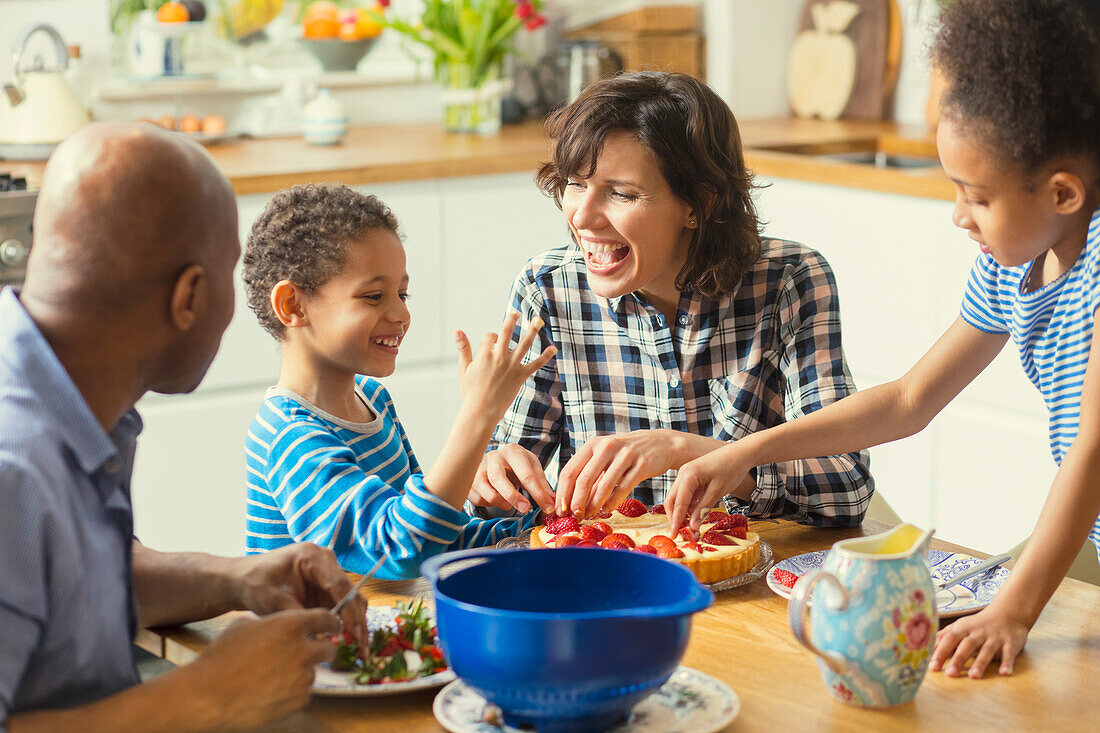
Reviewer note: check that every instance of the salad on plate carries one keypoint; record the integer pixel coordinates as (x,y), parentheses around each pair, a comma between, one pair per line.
(399,652)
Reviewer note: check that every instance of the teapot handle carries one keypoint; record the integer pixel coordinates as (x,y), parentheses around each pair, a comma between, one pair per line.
(798,613)
(61,50)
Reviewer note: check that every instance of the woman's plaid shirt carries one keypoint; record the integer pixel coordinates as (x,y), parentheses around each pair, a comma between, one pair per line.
(767,353)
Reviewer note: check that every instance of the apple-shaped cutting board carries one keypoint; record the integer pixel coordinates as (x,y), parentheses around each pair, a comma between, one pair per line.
(844,59)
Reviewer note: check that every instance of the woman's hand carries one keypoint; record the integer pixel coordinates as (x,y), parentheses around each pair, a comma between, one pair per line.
(987,635)
(700,483)
(501,470)
(606,469)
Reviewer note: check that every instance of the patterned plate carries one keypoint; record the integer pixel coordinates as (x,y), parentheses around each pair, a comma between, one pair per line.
(523,541)
(690,702)
(968,596)
(329,683)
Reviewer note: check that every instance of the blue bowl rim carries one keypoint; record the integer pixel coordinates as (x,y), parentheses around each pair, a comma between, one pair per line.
(697,599)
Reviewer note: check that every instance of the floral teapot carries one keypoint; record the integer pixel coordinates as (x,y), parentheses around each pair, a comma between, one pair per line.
(872,617)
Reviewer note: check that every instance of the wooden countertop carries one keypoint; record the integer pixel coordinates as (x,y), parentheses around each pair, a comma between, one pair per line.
(744,640)
(371,155)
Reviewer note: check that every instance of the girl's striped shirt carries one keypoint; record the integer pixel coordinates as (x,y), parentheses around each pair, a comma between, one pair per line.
(1051,327)
(353,487)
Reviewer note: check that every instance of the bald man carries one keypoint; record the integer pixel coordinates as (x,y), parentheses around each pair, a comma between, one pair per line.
(129,289)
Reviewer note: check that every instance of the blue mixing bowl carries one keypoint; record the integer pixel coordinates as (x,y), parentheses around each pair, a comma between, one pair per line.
(563,639)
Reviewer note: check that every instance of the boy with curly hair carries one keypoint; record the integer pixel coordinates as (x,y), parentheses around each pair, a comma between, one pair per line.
(328,459)
(1020,139)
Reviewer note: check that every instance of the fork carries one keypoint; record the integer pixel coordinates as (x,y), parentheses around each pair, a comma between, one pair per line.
(982,567)
(355,588)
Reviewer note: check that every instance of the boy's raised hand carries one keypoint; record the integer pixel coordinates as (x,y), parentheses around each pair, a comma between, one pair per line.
(491,379)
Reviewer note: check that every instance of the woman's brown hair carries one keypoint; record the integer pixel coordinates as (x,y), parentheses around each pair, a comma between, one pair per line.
(694,137)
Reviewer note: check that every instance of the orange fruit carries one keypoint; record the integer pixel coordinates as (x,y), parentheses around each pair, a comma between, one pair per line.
(322,9)
(190,123)
(320,28)
(365,24)
(213,124)
(173,12)
(349,32)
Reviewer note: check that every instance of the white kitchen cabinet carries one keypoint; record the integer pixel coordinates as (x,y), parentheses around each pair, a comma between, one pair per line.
(493,225)
(189,476)
(465,238)
(980,471)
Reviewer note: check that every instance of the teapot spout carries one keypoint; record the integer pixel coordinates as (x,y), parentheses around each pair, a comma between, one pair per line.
(901,541)
(906,540)
(921,545)
(15,94)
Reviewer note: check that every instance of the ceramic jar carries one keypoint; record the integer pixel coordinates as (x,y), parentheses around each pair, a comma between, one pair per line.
(872,616)
(324,119)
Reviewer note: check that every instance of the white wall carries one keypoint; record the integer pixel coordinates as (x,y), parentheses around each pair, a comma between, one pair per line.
(747,46)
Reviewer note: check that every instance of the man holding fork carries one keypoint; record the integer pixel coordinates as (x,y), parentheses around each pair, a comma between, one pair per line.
(129,289)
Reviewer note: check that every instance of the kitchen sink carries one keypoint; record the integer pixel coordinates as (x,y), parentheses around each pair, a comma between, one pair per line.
(883,153)
(882,159)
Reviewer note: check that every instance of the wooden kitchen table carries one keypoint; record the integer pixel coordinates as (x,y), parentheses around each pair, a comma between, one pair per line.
(744,640)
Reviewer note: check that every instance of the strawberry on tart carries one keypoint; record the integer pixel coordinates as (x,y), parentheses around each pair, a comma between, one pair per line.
(723,548)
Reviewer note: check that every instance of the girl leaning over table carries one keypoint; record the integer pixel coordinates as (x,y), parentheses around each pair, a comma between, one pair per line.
(1018,137)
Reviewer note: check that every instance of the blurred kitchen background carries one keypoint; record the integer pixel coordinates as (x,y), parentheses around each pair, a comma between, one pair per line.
(837,108)
(743,45)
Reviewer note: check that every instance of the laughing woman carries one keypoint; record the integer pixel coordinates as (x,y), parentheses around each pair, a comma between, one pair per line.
(678,327)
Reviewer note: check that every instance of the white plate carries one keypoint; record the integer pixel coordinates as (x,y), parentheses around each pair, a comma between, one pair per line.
(689,702)
(523,541)
(213,138)
(968,596)
(330,683)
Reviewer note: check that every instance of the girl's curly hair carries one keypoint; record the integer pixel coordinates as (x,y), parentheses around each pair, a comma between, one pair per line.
(1023,77)
(302,236)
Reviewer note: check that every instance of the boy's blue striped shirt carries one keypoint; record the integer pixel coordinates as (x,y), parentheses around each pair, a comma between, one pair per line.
(1051,327)
(353,487)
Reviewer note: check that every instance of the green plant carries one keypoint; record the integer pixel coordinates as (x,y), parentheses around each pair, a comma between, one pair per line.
(123,12)
(475,34)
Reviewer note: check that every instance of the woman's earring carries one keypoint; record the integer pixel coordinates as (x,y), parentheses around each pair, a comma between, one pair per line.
(691,222)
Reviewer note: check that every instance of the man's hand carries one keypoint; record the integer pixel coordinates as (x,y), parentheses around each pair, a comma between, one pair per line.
(260,670)
(299,576)
(606,469)
(498,475)
(987,635)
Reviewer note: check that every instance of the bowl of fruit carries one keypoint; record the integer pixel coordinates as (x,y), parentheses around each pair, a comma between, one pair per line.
(563,639)
(338,37)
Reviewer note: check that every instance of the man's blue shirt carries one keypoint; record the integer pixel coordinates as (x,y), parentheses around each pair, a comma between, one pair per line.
(67,614)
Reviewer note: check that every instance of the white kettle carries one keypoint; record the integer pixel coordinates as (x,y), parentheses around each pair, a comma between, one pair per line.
(40,108)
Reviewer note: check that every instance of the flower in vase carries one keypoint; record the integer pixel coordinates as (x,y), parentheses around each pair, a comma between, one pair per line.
(476,34)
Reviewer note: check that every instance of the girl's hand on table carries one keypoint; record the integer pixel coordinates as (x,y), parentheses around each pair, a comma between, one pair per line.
(260,670)
(987,635)
(298,576)
(501,470)
(699,485)
(605,470)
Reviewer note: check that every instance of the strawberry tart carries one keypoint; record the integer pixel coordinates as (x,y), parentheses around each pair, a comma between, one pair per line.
(723,547)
